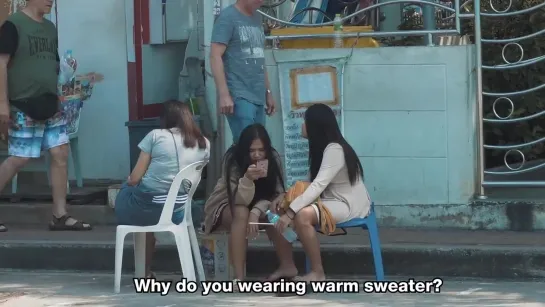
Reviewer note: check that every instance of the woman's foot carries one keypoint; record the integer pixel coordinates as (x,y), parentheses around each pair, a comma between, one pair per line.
(283,272)
(235,285)
(312,276)
(3,228)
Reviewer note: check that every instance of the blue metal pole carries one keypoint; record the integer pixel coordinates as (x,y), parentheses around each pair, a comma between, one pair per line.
(428,13)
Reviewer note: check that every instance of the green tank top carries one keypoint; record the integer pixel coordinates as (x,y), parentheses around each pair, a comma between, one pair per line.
(32,71)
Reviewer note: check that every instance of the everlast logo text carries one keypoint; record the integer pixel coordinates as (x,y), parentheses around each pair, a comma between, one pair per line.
(40,45)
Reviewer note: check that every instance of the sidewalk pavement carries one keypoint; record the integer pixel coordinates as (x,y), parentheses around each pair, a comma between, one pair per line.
(56,289)
(406,252)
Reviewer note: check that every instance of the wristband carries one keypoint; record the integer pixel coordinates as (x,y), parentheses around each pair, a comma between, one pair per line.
(258,210)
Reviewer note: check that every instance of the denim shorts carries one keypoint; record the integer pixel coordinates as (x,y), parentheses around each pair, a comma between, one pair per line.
(244,115)
(135,207)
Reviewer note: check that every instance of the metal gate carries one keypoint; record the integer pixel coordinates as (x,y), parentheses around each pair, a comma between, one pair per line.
(519,173)
(510,174)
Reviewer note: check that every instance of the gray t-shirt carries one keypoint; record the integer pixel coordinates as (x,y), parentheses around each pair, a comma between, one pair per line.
(159,143)
(244,58)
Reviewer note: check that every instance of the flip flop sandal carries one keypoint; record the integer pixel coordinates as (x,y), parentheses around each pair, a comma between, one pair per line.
(301,279)
(285,278)
(59,224)
(285,294)
(3,228)
(235,286)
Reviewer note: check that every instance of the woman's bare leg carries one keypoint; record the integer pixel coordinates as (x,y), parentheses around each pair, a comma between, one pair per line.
(284,252)
(238,242)
(305,221)
(150,249)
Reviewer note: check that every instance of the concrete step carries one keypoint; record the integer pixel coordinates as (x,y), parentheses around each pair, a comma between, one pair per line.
(39,213)
(406,252)
(520,211)
(34,186)
(34,214)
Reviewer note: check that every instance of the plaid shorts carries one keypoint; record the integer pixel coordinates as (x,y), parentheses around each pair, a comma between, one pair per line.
(27,137)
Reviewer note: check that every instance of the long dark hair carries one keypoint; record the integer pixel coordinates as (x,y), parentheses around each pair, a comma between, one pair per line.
(238,158)
(177,114)
(322,130)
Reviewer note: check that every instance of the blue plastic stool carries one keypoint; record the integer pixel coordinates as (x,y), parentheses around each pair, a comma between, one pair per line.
(369,223)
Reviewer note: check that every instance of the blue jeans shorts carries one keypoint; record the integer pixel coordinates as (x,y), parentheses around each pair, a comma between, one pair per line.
(244,115)
(135,207)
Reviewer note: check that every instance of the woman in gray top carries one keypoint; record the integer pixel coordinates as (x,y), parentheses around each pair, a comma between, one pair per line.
(164,152)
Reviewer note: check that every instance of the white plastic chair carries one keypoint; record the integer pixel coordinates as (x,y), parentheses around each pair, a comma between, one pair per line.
(184,234)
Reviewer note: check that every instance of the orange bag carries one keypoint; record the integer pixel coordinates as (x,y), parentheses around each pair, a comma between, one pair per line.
(297,189)
(327,224)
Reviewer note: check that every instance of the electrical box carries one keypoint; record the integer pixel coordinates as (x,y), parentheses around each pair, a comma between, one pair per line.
(172,20)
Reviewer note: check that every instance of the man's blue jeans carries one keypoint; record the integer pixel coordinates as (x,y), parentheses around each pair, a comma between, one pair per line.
(245,114)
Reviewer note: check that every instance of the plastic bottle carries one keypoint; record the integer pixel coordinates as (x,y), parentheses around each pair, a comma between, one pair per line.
(289,234)
(68,66)
(70,60)
(338,30)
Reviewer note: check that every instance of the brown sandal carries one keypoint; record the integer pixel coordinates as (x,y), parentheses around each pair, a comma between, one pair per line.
(3,228)
(59,224)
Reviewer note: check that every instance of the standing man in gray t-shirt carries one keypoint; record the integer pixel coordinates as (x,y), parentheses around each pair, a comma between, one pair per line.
(238,64)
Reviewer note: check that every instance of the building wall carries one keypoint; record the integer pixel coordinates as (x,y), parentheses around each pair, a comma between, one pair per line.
(415,140)
(409,115)
(102,36)
(96,32)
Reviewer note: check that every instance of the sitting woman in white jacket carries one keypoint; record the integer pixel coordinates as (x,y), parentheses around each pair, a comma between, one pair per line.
(337,179)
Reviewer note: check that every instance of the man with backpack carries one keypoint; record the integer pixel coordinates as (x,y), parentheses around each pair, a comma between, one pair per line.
(30,116)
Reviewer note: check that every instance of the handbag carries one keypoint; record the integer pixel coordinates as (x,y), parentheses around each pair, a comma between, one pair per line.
(298,188)
(39,108)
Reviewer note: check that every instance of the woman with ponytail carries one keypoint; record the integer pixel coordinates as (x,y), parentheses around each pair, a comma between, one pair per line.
(163,153)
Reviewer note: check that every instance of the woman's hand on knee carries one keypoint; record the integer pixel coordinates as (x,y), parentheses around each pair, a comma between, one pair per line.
(276,205)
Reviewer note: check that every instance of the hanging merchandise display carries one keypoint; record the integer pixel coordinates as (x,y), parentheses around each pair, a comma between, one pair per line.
(216,9)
